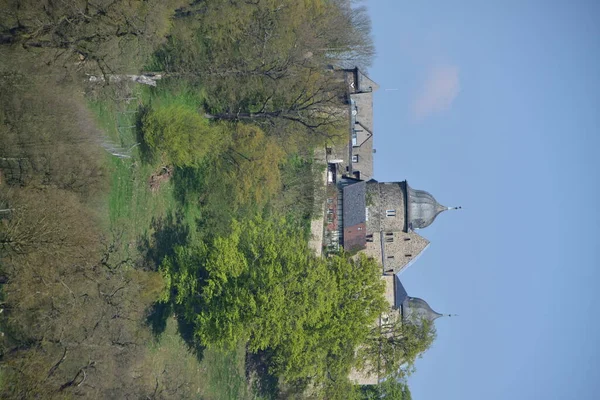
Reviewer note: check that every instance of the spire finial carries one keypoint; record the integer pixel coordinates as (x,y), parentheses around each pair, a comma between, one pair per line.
(454,208)
(453,315)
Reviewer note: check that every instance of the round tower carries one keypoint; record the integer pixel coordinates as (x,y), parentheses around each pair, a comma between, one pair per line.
(422,208)
(416,309)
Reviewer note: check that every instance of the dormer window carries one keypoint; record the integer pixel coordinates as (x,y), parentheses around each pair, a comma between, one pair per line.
(355,158)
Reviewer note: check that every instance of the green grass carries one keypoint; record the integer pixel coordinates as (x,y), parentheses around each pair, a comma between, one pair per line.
(220,375)
(132,206)
(226,376)
(132,209)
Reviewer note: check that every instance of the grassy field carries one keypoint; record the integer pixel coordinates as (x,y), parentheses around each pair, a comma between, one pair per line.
(141,217)
(219,375)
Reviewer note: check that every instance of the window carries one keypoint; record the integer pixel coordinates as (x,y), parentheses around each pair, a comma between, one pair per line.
(406,239)
(389,234)
(389,239)
(370,238)
(390,257)
(354,139)
(355,158)
(408,255)
(390,213)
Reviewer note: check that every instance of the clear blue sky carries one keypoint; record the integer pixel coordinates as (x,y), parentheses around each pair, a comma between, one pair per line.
(498,110)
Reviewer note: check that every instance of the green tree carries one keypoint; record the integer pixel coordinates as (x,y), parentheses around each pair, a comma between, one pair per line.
(251,163)
(395,344)
(112,36)
(180,135)
(269,61)
(393,388)
(263,286)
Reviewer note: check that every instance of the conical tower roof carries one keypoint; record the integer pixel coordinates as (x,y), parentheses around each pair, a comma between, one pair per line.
(422,208)
(418,309)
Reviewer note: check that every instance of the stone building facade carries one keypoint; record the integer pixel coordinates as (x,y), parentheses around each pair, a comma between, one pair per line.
(380,219)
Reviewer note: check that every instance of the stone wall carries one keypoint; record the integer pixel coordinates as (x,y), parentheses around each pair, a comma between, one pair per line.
(387,239)
(363,106)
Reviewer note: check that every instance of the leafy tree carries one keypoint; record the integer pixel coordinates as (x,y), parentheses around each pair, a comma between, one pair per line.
(251,163)
(393,388)
(111,35)
(394,345)
(47,135)
(181,135)
(269,60)
(50,221)
(310,100)
(262,285)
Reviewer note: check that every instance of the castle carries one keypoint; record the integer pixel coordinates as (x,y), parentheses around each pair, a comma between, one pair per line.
(379,219)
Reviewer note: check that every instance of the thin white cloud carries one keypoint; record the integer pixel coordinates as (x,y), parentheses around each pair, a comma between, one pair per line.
(439,91)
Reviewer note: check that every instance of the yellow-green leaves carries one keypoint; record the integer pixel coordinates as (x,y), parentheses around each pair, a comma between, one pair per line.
(261,284)
(179,134)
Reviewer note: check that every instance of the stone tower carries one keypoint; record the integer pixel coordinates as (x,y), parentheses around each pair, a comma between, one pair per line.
(394,211)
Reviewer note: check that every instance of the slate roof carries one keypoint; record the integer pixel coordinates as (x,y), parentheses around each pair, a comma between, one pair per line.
(422,208)
(354,204)
(419,309)
(399,292)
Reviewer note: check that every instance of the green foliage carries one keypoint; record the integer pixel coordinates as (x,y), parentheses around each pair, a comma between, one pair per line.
(251,163)
(101,37)
(297,199)
(181,135)
(268,61)
(395,344)
(81,286)
(261,285)
(393,388)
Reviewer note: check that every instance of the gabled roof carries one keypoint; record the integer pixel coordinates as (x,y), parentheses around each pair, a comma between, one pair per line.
(366,84)
(399,292)
(368,135)
(354,203)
